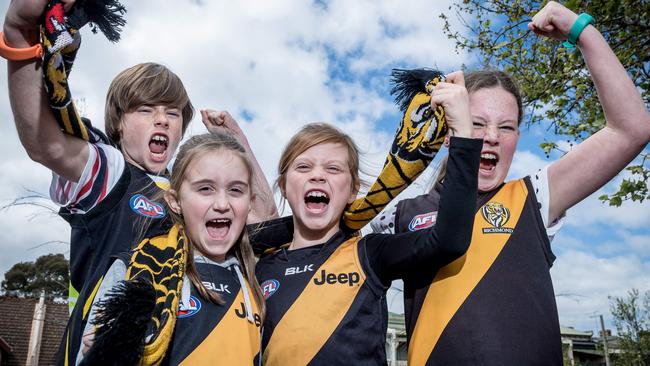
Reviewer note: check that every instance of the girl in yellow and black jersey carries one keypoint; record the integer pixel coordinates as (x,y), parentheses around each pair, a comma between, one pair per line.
(325,293)
(215,313)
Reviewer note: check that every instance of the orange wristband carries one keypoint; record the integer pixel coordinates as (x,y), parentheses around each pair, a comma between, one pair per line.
(19,54)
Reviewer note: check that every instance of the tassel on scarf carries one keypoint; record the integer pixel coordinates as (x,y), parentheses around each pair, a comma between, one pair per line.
(123,319)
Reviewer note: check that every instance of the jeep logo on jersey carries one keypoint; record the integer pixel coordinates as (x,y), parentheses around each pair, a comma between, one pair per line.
(146,207)
(423,221)
(351,278)
(187,310)
(269,287)
(295,270)
(496,215)
(242,313)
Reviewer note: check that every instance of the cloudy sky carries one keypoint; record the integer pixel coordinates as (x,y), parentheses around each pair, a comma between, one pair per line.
(277,65)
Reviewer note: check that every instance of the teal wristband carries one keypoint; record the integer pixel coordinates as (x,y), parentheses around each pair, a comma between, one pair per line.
(578,26)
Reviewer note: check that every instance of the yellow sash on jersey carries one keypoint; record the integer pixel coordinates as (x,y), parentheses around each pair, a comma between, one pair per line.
(234,341)
(313,317)
(453,283)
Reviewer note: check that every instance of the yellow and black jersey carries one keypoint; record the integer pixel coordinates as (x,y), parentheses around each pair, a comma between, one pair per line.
(216,334)
(323,306)
(326,304)
(495,305)
(102,234)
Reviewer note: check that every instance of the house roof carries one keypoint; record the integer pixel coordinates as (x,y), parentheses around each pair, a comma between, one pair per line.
(16,325)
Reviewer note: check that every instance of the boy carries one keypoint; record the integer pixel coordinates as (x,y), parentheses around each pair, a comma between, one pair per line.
(106,192)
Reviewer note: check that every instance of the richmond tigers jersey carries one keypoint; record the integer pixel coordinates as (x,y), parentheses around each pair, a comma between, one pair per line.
(216,334)
(323,306)
(98,236)
(495,305)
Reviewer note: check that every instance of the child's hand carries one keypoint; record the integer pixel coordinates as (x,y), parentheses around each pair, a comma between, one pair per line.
(453,96)
(553,21)
(22,20)
(222,121)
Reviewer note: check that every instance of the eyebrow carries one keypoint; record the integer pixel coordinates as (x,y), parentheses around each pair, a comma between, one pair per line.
(204,181)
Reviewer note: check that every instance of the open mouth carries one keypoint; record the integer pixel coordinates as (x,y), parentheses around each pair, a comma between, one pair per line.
(488,161)
(158,144)
(316,200)
(218,228)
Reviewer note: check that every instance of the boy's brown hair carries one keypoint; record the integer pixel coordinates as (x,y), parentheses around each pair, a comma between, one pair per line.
(144,84)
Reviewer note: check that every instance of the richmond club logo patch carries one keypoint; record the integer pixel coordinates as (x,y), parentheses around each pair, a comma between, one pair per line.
(269,287)
(423,221)
(496,215)
(146,207)
(187,310)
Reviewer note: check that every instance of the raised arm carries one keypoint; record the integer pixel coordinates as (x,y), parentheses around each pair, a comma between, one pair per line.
(423,251)
(263,204)
(595,161)
(37,128)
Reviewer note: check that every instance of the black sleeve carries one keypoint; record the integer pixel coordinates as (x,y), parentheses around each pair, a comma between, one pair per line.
(393,256)
(271,234)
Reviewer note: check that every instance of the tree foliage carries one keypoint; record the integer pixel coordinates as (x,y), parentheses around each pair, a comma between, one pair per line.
(48,273)
(555,82)
(632,320)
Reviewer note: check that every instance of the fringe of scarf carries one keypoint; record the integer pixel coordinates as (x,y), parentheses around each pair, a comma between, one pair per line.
(136,320)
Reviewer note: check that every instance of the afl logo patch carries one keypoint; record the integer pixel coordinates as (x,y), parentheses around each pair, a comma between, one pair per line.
(146,207)
(423,221)
(269,287)
(187,310)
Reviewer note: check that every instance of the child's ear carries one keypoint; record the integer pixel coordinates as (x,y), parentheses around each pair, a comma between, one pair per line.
(353,194)
(171,197)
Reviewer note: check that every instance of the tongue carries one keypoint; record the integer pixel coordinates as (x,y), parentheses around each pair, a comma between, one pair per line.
(487,164)
(316,206)
(157,147)
(217,230)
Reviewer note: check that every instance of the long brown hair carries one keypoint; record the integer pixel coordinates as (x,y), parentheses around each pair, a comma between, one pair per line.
(194,148)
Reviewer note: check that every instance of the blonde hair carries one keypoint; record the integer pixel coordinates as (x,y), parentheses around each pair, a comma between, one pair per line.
(313,134)
(144,84)
(194,148)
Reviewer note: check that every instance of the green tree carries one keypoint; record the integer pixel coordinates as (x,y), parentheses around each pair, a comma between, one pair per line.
(632,319)
(48,273)
(555,82)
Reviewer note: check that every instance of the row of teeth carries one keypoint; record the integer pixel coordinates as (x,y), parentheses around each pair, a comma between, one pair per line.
(220,221)
(488,156)
(316,194)
(159,138)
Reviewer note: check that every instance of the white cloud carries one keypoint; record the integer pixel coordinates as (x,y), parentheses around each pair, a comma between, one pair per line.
(583,282)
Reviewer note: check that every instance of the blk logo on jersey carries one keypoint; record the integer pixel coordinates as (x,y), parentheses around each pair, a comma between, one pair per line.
(296,270)
(350,279)
(423,221)
(146,207)
(216,287)
(496,215)
(187,310)
(269,287)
